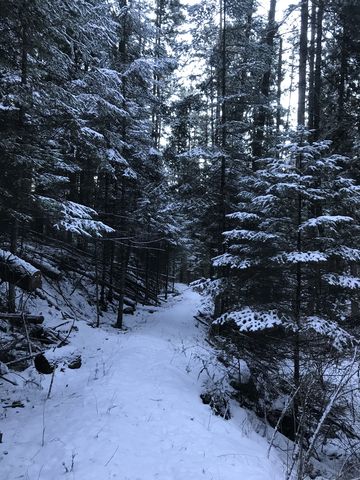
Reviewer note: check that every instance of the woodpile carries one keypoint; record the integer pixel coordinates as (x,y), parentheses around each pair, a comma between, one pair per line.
(23,337)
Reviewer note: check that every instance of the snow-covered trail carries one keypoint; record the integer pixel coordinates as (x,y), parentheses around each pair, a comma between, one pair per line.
(133,412)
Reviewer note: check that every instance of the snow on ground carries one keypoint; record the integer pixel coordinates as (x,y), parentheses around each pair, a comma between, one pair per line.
(133,411)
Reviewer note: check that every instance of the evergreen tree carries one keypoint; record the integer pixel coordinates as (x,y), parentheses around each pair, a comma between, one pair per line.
(270,315)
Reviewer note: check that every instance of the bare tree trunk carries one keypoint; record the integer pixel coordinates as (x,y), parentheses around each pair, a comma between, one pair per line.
(97,285)
(261,117)
(317,78)
(156,115)
(315,54)
(302,63)
(110,295)
(343,76)
(124,38)
(298,293)
(13,248)
(167,266)
(311,60)
(291,89)
(125,255)
(279,82)
(355,300)
(222,123)
(24,80)
(212,109)
(105,250)
(173,272)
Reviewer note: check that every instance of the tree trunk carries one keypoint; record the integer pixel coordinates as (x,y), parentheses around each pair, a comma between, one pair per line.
(125,255)
(262,115)
(105,250)
(299,273)
(110,294)
(222,125)
(13,248)
(302,63)
(311,58)
(97,285)
(317,77)
(156,114)
(279,82)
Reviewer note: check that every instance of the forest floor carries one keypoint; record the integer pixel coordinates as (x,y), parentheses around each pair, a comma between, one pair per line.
(133,410)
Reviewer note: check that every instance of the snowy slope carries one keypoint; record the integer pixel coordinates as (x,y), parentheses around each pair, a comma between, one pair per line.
(133,412)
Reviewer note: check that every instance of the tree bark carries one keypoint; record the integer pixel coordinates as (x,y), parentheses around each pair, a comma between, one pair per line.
(263,113)
(279,82)
(222,124)
(156,114)
(311,58)
(303,51)
(317,77)
(125,254)
(298,293)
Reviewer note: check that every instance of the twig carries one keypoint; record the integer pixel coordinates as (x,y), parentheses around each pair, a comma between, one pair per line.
(61,324)
(63,341)
(343,382)
(201,320)
(276,429)
(28,357)
(27,335)
(112,456)
(51,383)
(7,380)
(43,422)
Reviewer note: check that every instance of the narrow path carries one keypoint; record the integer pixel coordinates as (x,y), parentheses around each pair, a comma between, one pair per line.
(133,412)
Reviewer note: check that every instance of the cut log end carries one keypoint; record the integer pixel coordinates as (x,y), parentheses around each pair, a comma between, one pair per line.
(18,272)
(46,365)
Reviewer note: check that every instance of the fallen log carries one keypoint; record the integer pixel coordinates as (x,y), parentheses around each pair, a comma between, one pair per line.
(200,320)
(21,359)
(45,267)
(20,317)
(18,272)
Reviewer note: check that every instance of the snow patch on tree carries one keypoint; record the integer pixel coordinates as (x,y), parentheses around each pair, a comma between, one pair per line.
(114,156)
(130,174)
(243,216)
(206,286)
(339,337)
(248,235)
(326,220)
(91,133)
(301,257)
(232,261)
(347,253)
(344,281)
(249,320)
(74,217)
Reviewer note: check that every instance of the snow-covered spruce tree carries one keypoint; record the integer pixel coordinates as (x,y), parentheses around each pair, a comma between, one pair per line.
(213,122)
(46,47)
(51,45)
(285,280)
(194,189)
(116,146)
